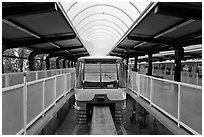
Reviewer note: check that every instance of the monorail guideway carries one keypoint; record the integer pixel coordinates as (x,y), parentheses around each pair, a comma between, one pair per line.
(102,122)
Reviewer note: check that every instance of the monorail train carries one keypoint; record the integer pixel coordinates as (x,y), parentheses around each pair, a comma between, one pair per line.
(167,67)
(99,82)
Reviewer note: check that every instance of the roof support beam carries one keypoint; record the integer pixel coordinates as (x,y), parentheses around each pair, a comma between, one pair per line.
(178,10)
(24,29)
(130,48)
(173,28)
(72,56)
(151,40)
(58,49)
(20,43)
(191,36)
(123,54)
(18,9)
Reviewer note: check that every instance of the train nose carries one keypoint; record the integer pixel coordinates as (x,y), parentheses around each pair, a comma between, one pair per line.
(100,97)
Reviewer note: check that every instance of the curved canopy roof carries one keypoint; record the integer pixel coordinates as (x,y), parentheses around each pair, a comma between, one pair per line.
(101,25)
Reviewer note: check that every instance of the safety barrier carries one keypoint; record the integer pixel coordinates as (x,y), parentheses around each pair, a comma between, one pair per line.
(10,79)
(180,101)
(24,103)
(186,76)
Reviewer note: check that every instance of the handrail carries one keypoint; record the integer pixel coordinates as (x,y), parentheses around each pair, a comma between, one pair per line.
(174,82)
(45,99)
(36,71)
(10,79)
(173,93)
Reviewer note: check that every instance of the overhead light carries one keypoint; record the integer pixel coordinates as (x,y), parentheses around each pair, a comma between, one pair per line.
(54,45)
(139,44)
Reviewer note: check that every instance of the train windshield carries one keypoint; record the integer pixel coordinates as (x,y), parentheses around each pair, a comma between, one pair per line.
(100,74)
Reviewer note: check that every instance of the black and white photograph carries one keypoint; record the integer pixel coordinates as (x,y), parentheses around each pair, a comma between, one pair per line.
(101,68)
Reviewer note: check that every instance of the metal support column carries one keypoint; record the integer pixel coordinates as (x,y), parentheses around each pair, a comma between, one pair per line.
(72,65)
(179,53)
(126,68)
(135,64)
(57,63)
(68,64)
(31,59)
(63,62)
(149,64)
(48,62)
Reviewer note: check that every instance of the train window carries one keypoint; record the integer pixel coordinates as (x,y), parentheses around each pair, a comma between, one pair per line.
(108,74)
(79,73)
(121,74)
(92,72)
(100,74)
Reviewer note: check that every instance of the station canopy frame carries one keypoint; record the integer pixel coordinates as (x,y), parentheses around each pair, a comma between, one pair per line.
(101,25)
(42,27)
(190,53)
(163,26)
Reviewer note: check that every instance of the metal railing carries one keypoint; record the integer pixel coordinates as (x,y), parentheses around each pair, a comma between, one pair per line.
(10,79)
(24,103)
(180,101)
(186,76)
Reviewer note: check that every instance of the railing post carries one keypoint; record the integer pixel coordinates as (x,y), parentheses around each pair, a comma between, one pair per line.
(188,74)
(151,90)
(43,101)
(55,88)
(36,75)
(138,85)
(45,74)
(25,103)
(179,104)
(65,84)
(6,80)
(132,77)
(197,78)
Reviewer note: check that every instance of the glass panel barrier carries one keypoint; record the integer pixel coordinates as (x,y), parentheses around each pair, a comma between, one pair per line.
(12,79)
(34,100)
(31,76)
(145,86)
(165,96)
(60,86)
(72,80)
(134,82)
(13,99)
(49,92)
(12,111)
(191,107)
(41,75)
(68,82)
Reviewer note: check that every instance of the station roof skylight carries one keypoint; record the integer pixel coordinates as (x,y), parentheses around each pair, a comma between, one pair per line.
(102,25)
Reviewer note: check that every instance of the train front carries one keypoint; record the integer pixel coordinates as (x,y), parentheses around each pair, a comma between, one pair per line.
(99,83)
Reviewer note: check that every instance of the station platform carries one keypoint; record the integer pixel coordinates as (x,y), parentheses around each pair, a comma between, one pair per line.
(178,106)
